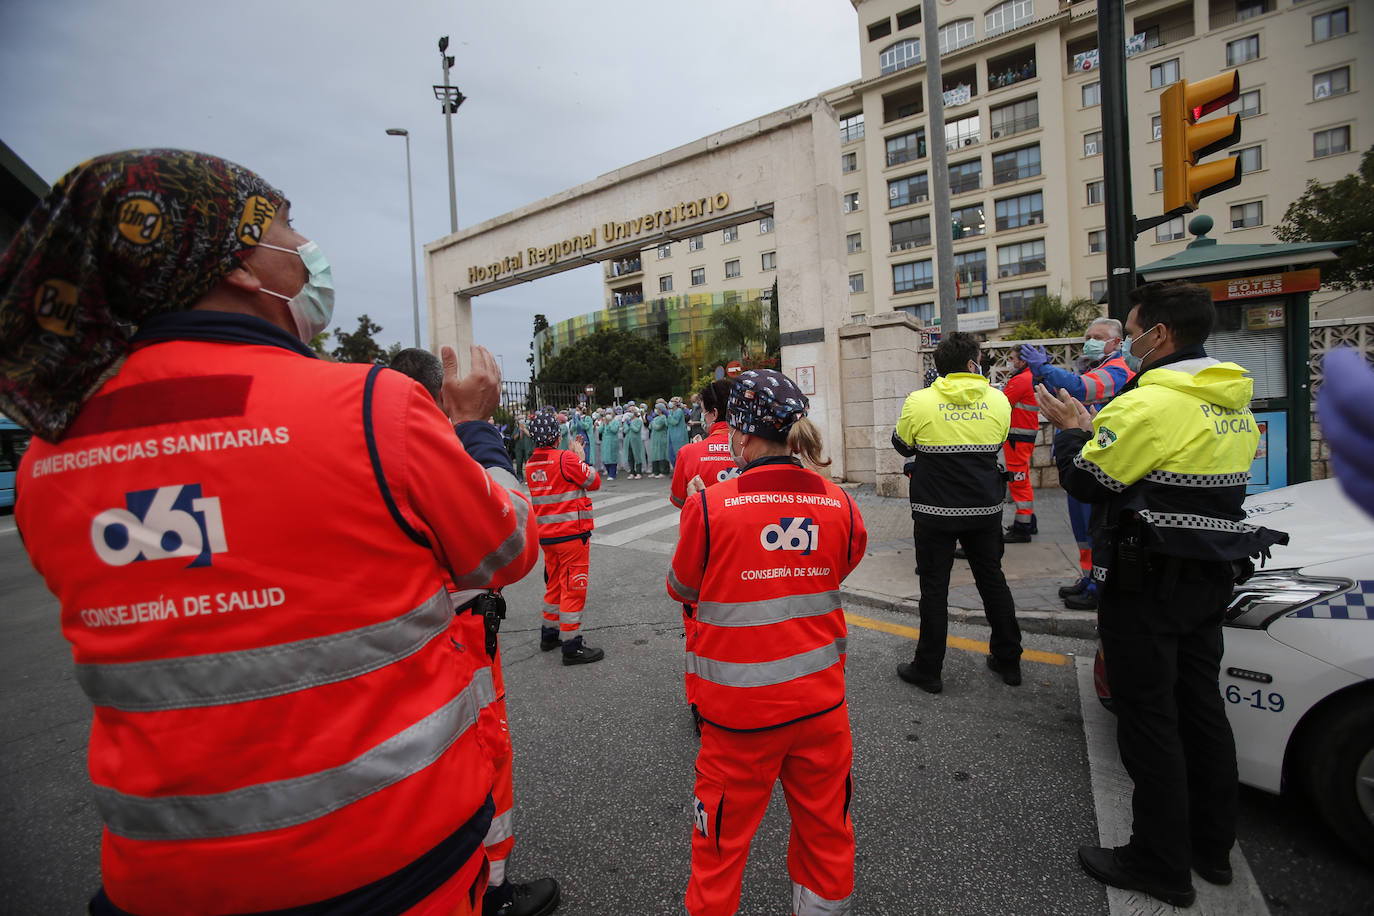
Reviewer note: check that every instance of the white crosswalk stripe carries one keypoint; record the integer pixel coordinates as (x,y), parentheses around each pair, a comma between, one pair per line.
(638,517)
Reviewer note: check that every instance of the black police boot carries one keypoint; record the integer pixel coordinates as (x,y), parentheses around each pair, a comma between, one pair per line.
(1075,589)
(575,653)
(1085,600)
(930,683)
(1009,671)
(1108,866)
(537,898)
(548,639)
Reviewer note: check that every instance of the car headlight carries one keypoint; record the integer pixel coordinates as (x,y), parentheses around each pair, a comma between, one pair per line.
(1274,592)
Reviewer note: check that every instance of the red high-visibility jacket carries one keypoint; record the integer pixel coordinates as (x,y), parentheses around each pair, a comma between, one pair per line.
(559,482)
(762,556)
(710,458)
(249,548)
(1025,412)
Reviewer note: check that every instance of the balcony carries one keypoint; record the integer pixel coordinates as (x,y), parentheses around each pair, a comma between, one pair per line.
(1010,127)
(1010,69)
(623,267)
(907,244)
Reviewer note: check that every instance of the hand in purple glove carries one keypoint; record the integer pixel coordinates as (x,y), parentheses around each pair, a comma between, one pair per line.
(1346,421)
(1035,357)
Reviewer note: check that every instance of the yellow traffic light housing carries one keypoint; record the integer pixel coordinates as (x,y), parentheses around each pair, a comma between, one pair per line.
(1185,141)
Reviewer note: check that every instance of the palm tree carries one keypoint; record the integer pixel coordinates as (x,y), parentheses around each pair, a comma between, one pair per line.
(735,326)
(1050,316)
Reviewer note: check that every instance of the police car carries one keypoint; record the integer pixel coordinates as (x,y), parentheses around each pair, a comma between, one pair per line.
(1298,671)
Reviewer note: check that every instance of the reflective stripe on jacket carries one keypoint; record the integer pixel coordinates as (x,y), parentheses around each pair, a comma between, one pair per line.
(954,429)
(558,482)
(249,549)
(762,556)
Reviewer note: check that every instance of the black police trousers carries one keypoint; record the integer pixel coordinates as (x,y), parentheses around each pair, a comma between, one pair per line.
(983,546)
(1162,648)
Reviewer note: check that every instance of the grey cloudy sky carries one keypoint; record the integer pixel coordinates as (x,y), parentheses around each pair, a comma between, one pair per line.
(302,91)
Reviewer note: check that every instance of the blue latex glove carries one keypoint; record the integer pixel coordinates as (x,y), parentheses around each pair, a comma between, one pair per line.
(1035,357)
(1346,421)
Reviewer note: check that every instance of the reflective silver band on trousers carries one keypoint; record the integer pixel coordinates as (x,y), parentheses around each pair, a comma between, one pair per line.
(500,829)
(503,555)
(563,517)
(254,674)
(765,674)
(769,610)
(806,902)
(288,802)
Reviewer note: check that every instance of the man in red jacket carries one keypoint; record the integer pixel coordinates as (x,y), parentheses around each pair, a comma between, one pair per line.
(559,480)
(1020,445)
(480,612)
(762,556)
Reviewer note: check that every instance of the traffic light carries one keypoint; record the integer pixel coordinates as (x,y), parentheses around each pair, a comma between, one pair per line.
(1185,141)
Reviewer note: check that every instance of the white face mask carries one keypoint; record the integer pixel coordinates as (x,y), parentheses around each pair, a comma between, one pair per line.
(312,307)
(738,458)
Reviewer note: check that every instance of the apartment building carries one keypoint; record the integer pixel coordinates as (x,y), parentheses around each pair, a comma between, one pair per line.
(1023,132)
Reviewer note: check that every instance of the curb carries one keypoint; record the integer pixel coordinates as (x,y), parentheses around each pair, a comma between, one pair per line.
(1074,624)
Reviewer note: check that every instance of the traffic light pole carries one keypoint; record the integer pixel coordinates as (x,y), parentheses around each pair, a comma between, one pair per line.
(1116,156)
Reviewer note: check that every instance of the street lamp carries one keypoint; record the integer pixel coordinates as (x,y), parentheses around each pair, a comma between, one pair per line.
(451,99)
(410,199)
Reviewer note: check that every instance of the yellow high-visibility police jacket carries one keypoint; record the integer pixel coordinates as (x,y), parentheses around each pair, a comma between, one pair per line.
(954,430)
(1173,451)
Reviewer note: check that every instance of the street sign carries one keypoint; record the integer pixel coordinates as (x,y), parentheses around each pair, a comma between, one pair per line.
(733,368)
(591,390)
(720,373)
(806,379)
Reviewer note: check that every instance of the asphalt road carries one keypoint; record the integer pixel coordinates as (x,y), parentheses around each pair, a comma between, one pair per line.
(970,802)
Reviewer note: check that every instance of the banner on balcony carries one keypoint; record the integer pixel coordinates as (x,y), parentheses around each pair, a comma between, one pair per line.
(961,94)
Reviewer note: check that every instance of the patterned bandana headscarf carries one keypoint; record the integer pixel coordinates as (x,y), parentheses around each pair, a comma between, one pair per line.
(764,402)
(544,429)
(119,239)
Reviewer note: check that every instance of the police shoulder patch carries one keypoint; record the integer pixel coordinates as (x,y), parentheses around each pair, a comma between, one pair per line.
(1105,437)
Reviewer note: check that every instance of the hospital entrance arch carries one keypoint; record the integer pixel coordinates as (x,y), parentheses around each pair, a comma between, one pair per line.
(786,164)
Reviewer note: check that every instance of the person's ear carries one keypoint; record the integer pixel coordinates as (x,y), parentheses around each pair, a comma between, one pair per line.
(243,279)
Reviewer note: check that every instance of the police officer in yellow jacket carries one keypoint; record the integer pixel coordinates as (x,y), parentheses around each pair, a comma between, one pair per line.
(954,430)
(1165,466)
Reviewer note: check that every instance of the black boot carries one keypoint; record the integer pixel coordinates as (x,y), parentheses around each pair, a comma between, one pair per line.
(537,898)
(1076,589)
(1018,533)
(548,639)
(1085,600)
(575,653)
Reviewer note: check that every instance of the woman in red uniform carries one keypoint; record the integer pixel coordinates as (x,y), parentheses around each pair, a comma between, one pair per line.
(762,556)
(699,465)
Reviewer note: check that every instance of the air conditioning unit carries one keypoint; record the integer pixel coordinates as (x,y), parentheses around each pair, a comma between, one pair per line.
(921,198)
(1034,220)
(996,134)
(1005,272)
(968,141)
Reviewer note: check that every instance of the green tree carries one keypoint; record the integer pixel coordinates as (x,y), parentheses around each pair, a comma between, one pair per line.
(1050,316)
(1337,212)
(610,357)
(317,343)
(735,326)
(358,346)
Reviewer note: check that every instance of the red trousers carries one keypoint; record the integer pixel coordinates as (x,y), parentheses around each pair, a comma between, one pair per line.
(689,634)
(735,773)
(460,895)
(566,565)
(494,733)
(1018,458)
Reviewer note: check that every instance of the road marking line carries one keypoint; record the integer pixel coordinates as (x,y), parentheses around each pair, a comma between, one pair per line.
(638,509)
(9,529)
(629,534)
(1112,801)
(952,642)
(603,502)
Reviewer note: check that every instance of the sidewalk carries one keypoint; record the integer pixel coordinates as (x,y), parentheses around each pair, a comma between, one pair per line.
(886,578)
